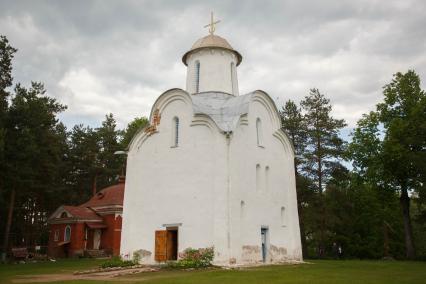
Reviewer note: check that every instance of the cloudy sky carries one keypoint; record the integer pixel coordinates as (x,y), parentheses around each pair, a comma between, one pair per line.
(119,56)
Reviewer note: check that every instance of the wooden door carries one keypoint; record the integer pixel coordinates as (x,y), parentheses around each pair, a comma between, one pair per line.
(172,244)
(161,245)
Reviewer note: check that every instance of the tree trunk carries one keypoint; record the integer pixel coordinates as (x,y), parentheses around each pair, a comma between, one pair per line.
(321,201)
(408,230)
(386,254)
(8,224)
(302,230)
(300,211)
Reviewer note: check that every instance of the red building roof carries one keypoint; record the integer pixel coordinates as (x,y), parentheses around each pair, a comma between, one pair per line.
(106,201)
(112,195)
(82,213)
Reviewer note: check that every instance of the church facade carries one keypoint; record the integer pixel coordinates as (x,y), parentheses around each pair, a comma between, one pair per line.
(213,169)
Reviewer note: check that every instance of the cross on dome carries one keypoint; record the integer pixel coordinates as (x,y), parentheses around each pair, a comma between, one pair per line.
(212,24)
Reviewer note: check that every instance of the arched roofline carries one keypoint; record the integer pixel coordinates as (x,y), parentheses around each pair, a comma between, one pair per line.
(269,103)
(160,103)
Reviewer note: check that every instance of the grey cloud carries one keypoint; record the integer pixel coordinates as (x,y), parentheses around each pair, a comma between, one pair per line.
(118,56)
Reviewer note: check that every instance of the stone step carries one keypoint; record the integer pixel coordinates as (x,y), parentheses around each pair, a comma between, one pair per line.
(96,253)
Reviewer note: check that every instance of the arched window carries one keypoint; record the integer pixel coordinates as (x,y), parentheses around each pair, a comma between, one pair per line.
(267,178)
(64,215)
(259,132)
(242,209)
(175,131)
(67,234)
(197,76)
(233,77)
(258,177)
(282,216)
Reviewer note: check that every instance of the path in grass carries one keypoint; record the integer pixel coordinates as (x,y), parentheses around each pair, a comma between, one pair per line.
(64,266)
(318,272)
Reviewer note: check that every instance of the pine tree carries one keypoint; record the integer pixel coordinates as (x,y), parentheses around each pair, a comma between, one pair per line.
(294,125)
(323,151)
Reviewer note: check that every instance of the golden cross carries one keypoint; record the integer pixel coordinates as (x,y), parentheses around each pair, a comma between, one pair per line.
(212,24)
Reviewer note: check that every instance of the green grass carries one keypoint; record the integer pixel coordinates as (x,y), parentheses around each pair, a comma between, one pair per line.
(9,271)
(324,271)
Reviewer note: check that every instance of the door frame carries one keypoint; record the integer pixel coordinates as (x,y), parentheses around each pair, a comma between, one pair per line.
(264,239)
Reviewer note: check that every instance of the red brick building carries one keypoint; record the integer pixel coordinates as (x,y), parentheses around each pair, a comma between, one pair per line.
(92,228)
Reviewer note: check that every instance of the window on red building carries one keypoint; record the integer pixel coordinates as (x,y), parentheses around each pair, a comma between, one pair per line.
(67,234)
(56,235)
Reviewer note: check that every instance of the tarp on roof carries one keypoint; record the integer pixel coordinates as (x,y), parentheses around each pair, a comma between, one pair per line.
(224,109)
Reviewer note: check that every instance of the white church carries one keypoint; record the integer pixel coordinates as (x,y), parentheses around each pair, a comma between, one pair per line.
(213,169)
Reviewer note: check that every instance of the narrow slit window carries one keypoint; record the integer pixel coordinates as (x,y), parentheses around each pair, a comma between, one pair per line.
(283,216)
(175,136)
(233,77)
(197,76)
(259,132)
(257,177)
(242,209)
(267,178)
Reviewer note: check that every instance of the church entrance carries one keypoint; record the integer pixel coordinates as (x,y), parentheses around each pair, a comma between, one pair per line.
(96,239)
(264,237)
(166,244)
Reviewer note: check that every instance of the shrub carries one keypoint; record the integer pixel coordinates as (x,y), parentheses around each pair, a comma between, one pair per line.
(194,258)
(117,262)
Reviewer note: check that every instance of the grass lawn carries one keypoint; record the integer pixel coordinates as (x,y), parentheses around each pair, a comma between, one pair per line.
(324,271)
(9,271)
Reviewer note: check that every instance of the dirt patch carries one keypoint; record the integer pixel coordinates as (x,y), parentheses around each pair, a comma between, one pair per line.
(106,275)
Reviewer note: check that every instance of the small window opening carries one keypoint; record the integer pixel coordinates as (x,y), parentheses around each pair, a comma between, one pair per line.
(175,136)
(67,234)
(242,209)
(283,216)
(197,76)
(56,236)
(258,177)
(233,77)
(267,178)
(259,132)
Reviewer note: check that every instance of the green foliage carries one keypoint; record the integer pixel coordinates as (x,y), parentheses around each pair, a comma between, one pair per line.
(294,124)
(194,258)
(117,262)
(132,128)
(324,146)
(394,158)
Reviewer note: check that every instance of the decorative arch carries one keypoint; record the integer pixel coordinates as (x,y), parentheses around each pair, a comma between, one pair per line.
(263,98)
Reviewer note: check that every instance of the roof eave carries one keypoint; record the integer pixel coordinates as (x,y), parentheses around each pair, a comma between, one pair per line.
(239,56)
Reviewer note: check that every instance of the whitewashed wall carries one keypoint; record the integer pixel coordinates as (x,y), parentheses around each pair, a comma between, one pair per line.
(215,71)
(202,182)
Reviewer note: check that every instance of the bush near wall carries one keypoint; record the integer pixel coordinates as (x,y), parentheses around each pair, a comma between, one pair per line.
(194,258)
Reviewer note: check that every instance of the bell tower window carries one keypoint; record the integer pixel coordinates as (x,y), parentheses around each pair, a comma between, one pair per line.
(197,76)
